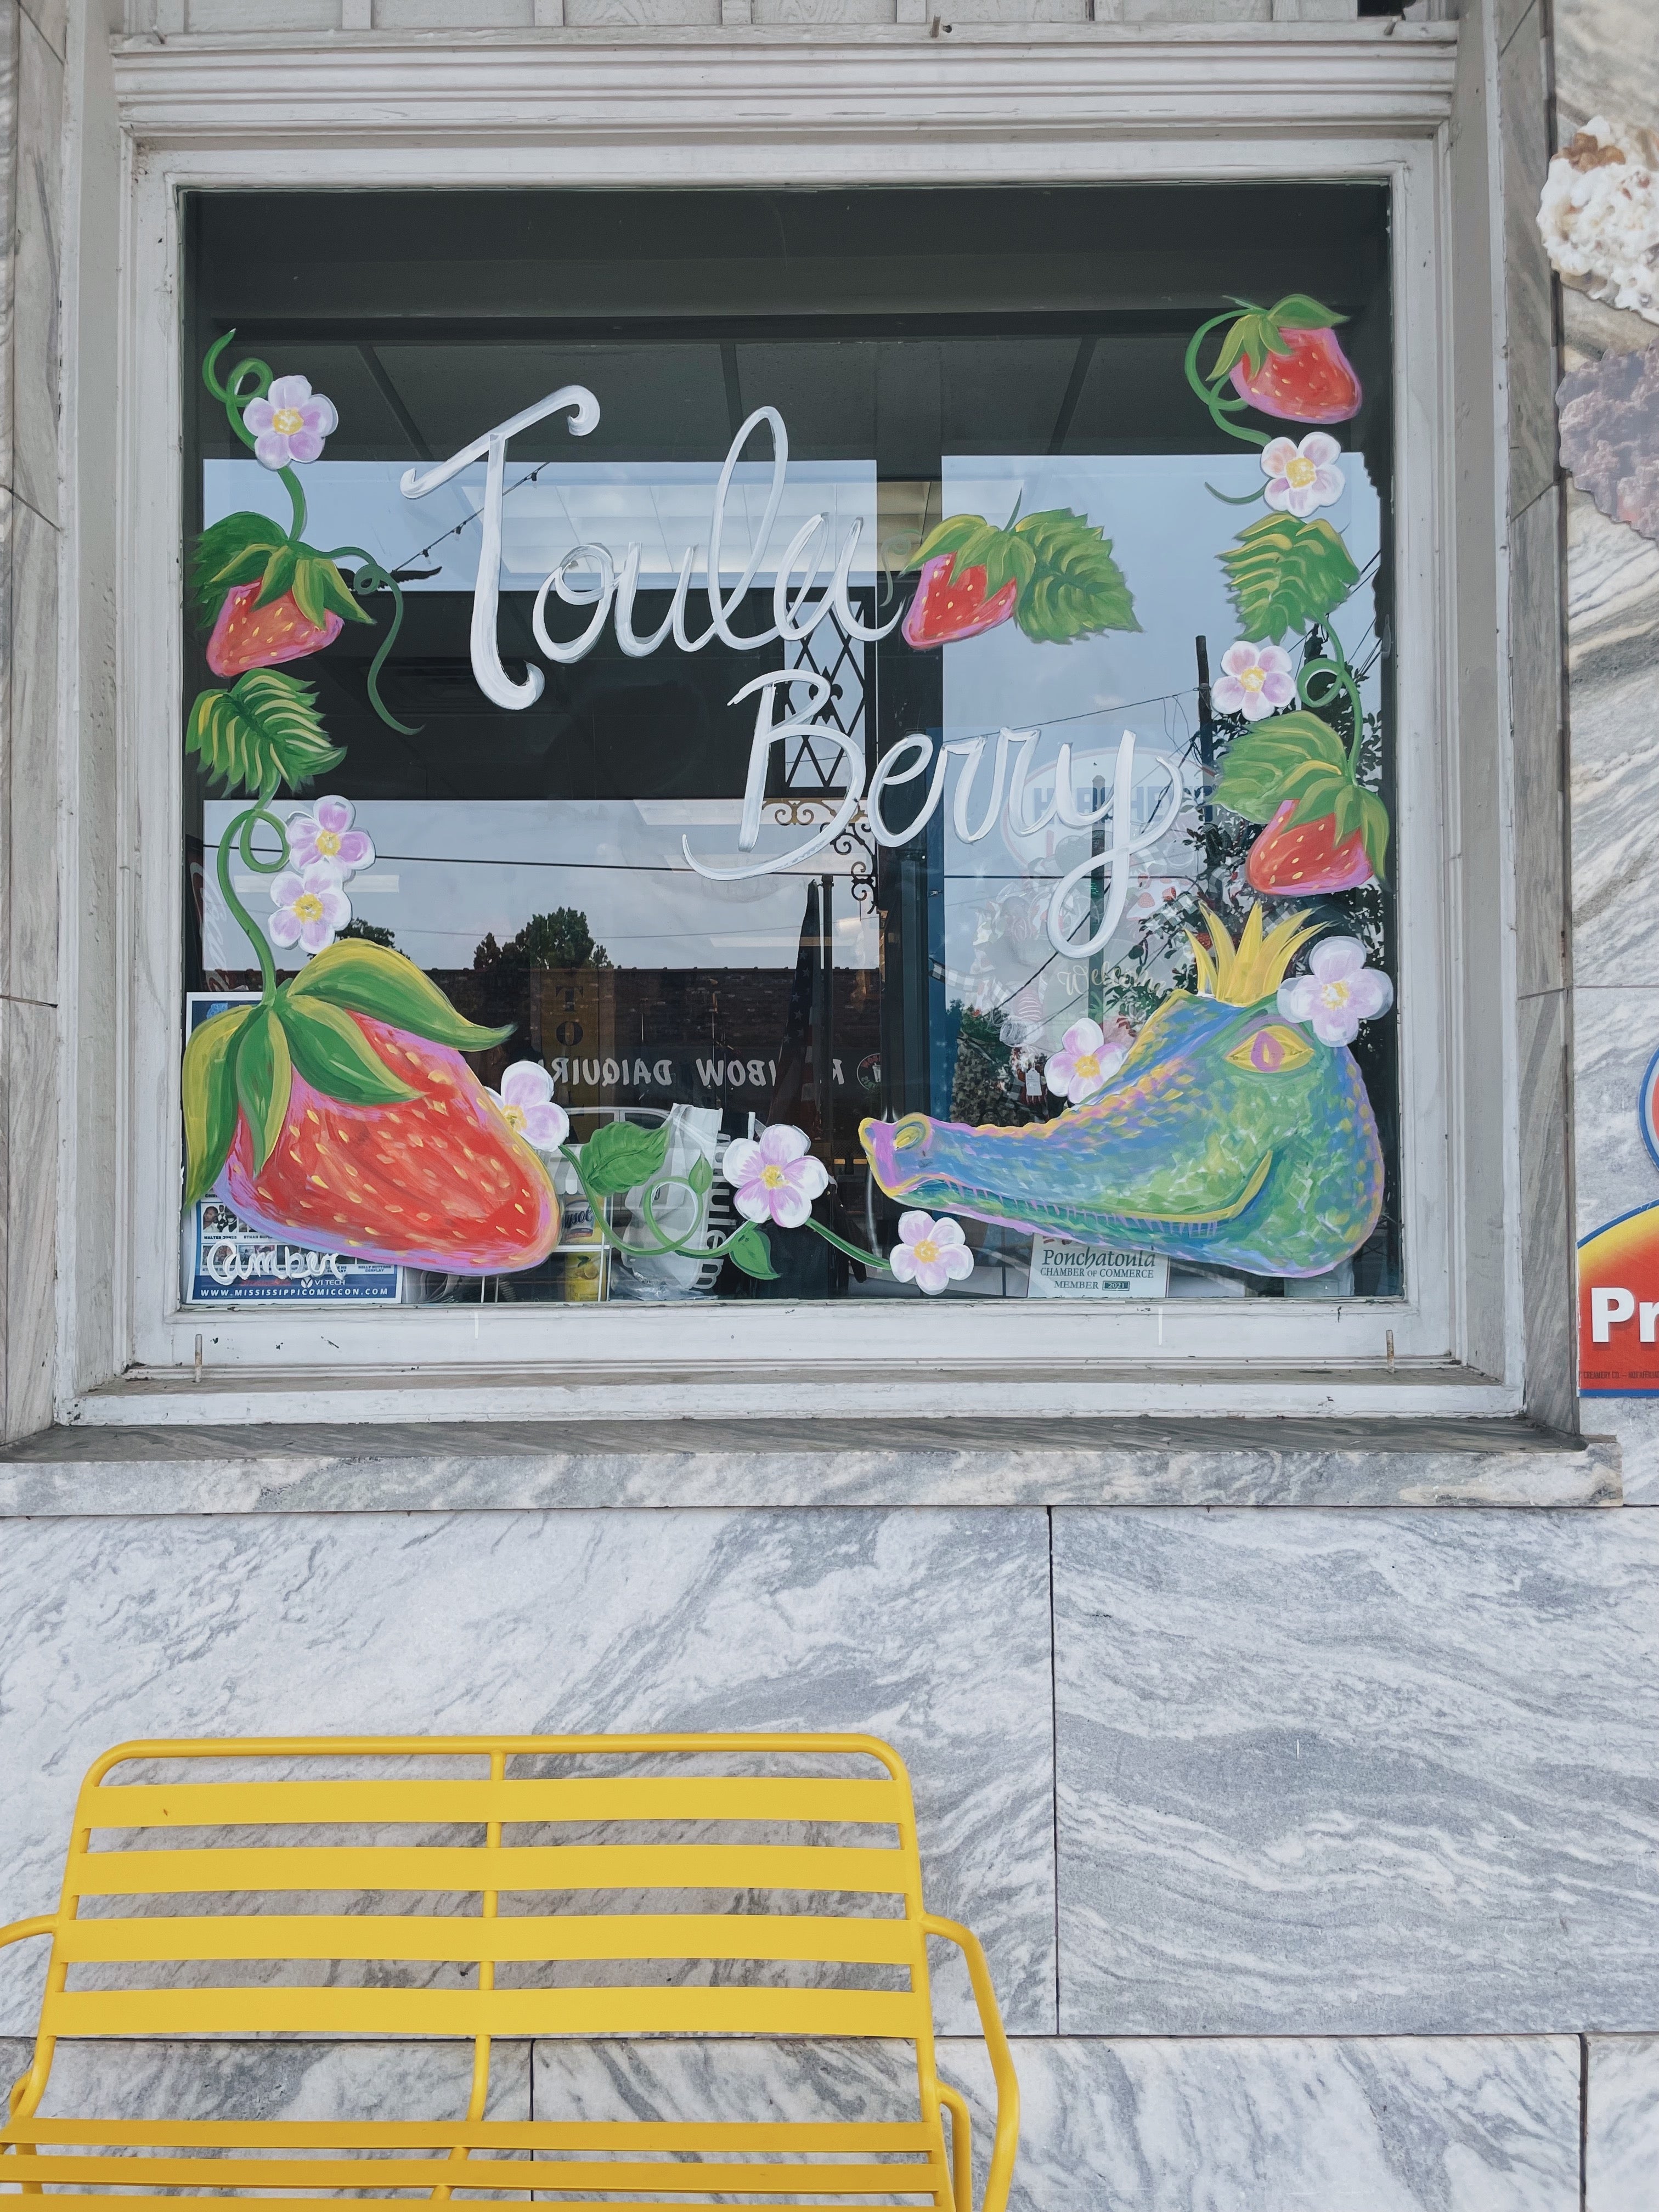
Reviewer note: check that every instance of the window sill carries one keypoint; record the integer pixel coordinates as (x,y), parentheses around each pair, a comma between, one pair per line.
(513,1465)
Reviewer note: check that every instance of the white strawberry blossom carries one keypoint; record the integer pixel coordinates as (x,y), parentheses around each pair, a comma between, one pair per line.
(1255,680)
(930,1253)
(775,1179)
(1084,1064)
(311,908)
(528,1108)
(1302,477)
(1338,993)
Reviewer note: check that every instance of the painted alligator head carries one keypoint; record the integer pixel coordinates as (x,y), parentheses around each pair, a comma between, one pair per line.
(1230,1136)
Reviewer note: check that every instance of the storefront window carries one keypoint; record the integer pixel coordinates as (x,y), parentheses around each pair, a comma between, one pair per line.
(811,745)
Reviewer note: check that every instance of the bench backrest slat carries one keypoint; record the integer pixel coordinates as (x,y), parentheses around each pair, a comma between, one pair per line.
(826,1938)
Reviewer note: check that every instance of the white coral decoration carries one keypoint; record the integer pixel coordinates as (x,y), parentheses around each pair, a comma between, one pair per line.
(1599,217)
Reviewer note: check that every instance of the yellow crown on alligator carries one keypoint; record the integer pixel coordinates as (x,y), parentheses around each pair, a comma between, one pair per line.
(1240,974)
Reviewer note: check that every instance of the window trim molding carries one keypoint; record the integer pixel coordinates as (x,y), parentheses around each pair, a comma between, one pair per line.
(688,108)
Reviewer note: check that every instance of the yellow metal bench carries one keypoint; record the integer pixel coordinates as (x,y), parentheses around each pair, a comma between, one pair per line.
(175,1877)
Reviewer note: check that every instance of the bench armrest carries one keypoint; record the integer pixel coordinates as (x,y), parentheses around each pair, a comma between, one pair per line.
(1006,2141)
(44,1924)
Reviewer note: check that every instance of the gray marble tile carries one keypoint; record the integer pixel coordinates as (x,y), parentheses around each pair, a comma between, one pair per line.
(38,229)
(28,1191)
(503,1465)
(30,929)
(1368,1774)
(1548,1267)
(1288,2124)
(1621,2134)
(1280,2125)
(1606,61)
(1529,352)
(1508,15)
(233,2079)
(8,22)
(930,1629)
(1536,712)
(51,19)
(1613,582)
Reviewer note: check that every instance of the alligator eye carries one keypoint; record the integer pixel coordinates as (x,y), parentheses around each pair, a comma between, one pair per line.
(910,1132)
(1272,1051)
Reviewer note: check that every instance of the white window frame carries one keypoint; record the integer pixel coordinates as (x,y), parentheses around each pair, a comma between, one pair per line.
(1025,107)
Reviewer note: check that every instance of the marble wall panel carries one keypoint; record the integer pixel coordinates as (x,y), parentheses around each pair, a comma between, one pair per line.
(1606,61)
(1621,2123)
(9,29)
(1536,705)
(38,217)
(34,785)
(929,1629)
(1528,345)
(1149,2125)
(1547,1264)
(1388,1774)
(1612,612)
(28,1193)
(51,19)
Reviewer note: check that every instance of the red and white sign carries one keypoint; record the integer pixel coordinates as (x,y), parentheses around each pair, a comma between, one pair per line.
(1618,1308)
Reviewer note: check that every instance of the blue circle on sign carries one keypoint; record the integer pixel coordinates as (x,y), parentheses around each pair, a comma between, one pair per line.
(1647,1109)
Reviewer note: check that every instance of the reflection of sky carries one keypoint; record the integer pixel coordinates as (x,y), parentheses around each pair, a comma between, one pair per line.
(446,874)
(461,870)
(1166,531)
(661,506)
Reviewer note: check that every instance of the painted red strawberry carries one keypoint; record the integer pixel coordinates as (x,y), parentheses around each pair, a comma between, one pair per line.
(1053,572)
(1290,862)
(340,1113)
(948,607)
(1324,831)
(246,636)
(1287,362)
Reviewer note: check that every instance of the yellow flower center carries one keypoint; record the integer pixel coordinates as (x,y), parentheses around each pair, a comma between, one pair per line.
(772,1177)
(513,1116)
(288,420)
(308,907)
(926,1251)
(1300,472)
(1087,1065)
(328,843)
(1254,678)
(1334,994)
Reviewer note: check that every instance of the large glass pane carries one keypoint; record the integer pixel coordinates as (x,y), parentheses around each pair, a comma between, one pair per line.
(886,784)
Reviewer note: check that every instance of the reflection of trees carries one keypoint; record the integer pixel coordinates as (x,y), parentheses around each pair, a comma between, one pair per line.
(560,939)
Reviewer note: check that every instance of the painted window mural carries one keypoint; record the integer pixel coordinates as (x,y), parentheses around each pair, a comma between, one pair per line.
(811,745)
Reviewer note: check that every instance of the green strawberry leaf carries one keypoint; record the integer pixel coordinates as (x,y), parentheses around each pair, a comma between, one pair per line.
(279,575)
(749,1251)
(949,536)
(265,1080)
(620,1155)
(1278,758)
(209,1099)
(264,732)
(1284,573)
(334,1056)
(319,589)
(362,978)
(1374,826)
(1297,311)
(235,551)
(1324,794)
(700,1176)
(1076,588)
